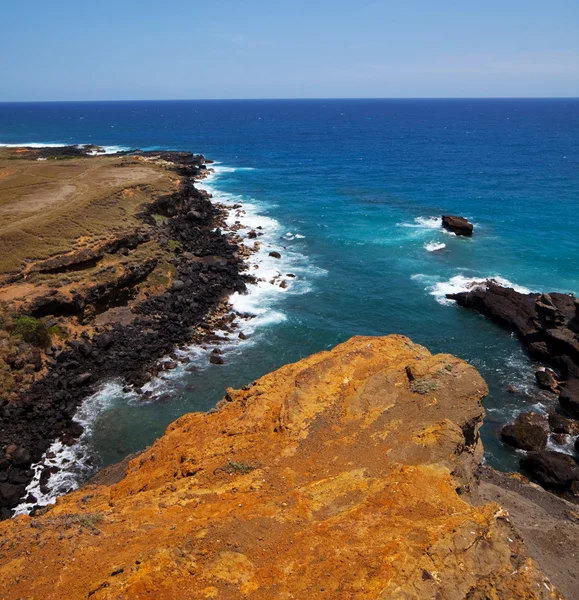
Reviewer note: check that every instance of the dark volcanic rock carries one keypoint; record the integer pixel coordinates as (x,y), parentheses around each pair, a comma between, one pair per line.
(530,431)
(546,323)
(127,352)
(275,254)
(548,326)
(569,398)
(547,379)
(553,470)
(458,225)
(83,259)
(560,424)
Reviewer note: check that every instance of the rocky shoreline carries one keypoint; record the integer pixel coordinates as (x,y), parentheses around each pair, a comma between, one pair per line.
(548,326)
(207,265)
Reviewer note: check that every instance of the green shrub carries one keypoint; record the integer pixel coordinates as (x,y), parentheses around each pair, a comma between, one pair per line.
(31,330)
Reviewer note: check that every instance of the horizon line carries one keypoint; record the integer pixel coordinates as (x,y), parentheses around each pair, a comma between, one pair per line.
(281,99)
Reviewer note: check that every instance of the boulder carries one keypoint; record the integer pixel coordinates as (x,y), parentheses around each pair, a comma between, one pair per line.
(552,470)
(560,424)
(21,457)
(177,285)
(10,494)
(547,379)
(275,254)
(530,431)
(458,225)
(569,398)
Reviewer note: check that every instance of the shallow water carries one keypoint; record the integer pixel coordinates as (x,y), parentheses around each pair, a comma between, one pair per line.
(350,193)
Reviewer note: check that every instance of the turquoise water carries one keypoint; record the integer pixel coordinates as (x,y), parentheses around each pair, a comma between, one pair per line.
(364,183)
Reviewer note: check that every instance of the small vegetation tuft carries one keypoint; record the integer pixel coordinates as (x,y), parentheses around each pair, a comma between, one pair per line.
(88,521)
(423,386)
(238,467)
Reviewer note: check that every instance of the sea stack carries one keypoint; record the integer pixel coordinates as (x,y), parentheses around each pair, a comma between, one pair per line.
(458,225)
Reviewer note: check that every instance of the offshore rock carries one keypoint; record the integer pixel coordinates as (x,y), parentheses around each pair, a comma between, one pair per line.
(346,475)
(458,225)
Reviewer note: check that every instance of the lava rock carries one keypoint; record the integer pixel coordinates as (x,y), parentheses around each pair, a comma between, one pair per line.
(275,254)
(547,379)
(530,431)
(458,225)
(552,470)
(569,398)
(560,424)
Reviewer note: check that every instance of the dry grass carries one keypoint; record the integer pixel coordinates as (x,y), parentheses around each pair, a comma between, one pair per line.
(48,206)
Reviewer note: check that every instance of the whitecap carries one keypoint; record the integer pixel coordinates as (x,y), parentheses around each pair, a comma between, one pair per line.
(424,223)
(434,246)
(72,463)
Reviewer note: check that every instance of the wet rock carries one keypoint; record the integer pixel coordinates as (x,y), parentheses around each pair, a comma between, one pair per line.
(558,438)
(458,225)
(560,424)
(552,470)
(547,379)
(275,254)
(530,431)
(215,359)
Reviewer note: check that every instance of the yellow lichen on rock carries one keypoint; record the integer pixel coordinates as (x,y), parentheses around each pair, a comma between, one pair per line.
(335,477)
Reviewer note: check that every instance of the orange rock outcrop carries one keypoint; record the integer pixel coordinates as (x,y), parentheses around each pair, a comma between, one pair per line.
(346,475)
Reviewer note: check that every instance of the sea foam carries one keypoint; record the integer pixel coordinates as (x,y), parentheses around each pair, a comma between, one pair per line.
(461,283)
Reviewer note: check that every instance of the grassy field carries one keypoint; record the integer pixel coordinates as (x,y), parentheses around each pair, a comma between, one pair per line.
(50,206)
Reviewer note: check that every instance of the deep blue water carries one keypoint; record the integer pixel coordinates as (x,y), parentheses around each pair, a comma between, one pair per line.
(362,181)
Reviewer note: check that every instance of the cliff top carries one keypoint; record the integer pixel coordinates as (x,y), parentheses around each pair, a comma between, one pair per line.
(346,475)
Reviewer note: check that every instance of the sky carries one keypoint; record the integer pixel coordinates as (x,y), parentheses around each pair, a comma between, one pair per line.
(186,49)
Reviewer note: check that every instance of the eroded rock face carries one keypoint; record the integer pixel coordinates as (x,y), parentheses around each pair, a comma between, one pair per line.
(346,475)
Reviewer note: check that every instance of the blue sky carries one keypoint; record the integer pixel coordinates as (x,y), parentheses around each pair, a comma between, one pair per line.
(144,49)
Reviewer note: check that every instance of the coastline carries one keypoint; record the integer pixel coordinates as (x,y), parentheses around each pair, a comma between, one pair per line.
(210,266)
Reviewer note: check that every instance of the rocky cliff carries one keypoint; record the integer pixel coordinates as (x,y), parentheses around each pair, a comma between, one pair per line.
(350,474)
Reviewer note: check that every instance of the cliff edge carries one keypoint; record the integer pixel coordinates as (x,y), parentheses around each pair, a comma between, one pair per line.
(350,474)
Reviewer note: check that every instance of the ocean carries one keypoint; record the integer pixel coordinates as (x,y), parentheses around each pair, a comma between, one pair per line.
(350,192)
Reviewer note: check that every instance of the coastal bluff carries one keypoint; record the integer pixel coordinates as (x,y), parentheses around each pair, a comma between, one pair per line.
(349,474)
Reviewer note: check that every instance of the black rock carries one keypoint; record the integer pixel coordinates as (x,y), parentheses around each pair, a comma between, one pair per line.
(569,398)
(552,470)
(547,379)
(528,432)
(458,225)
(275,254)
